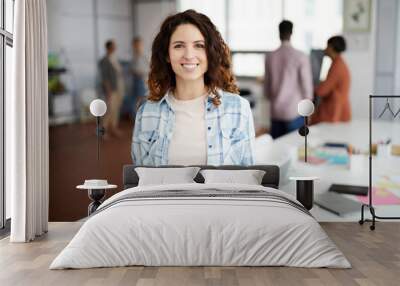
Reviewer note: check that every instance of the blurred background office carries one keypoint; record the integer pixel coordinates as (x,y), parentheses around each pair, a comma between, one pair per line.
(79,29)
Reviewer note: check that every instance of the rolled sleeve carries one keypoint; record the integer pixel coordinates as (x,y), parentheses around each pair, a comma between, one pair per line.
(247,148)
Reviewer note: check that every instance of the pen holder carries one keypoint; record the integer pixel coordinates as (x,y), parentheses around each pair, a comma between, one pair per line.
(305,190)
(384,150)
(305,193)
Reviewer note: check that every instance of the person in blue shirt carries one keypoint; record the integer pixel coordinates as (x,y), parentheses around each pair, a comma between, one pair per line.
(193,114)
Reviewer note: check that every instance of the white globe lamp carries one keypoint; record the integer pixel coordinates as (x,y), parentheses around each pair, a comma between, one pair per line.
(98,108)
(305,107)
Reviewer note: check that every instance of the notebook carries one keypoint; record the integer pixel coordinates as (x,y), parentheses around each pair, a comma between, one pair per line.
(336,203)
(349,189)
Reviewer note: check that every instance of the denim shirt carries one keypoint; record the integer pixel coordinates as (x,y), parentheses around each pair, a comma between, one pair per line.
(230,132)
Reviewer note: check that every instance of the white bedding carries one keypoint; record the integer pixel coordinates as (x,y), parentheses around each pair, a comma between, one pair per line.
(182,231)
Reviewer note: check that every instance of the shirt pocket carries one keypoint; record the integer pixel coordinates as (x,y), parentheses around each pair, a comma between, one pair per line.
(232,135)
(232,139)
(151,143)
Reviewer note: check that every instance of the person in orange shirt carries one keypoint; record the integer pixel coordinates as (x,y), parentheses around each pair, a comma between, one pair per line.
(334,103)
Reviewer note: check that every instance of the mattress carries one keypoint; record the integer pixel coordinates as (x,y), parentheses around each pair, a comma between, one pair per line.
(201,225)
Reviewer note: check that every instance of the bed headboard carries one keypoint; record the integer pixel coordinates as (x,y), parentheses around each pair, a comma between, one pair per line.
(270,179)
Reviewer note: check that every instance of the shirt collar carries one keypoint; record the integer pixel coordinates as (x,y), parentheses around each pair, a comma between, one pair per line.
(165,100)
(210,97)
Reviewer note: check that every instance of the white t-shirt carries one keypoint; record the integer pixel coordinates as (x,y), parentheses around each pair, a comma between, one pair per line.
(188,144)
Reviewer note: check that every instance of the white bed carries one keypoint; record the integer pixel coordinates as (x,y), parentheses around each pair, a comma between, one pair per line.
(224,225)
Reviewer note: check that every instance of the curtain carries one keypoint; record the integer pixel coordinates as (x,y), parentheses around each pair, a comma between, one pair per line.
(27,143)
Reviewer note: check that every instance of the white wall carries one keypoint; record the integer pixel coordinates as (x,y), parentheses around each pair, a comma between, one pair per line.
(115,21)
(360,58)
(71,33)
(387,67)
(397,62)
(149,16)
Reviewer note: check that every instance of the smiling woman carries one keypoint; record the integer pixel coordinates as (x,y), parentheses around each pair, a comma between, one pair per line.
(194,114)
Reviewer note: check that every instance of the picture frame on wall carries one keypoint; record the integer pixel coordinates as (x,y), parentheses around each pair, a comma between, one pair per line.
(357,15)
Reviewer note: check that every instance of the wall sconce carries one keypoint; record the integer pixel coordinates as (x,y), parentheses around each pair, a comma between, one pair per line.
(305,108)
(98,108)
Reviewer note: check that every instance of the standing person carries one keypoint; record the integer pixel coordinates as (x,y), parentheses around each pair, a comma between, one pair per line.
(193,114)
(140,69)
(334,91)
(288,80)
(112,83)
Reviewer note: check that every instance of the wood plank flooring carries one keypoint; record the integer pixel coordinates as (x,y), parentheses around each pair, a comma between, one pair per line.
(374,255)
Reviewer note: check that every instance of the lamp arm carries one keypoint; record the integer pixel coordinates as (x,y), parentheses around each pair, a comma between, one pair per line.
(98,135)
(305,137)
(305,108)
(303,131)
(100,131)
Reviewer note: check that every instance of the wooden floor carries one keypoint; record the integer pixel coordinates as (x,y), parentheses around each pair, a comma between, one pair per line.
(374,255)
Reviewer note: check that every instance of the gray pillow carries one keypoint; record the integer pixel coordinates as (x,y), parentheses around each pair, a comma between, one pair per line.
(164,176)
(248,177)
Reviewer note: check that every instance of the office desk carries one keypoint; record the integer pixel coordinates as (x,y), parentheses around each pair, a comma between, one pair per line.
(355,133)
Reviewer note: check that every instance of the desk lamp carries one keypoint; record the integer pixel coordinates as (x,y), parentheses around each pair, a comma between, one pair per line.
(305,108)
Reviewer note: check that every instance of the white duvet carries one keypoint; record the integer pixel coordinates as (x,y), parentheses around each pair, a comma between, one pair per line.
(200,231)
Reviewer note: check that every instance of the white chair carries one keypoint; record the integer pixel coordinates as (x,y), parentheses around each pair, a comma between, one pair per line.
(269,153)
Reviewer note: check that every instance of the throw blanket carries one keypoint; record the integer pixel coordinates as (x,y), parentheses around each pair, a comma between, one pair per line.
(206,194)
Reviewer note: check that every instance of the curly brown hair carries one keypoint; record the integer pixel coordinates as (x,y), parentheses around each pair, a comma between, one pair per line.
(219,73)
